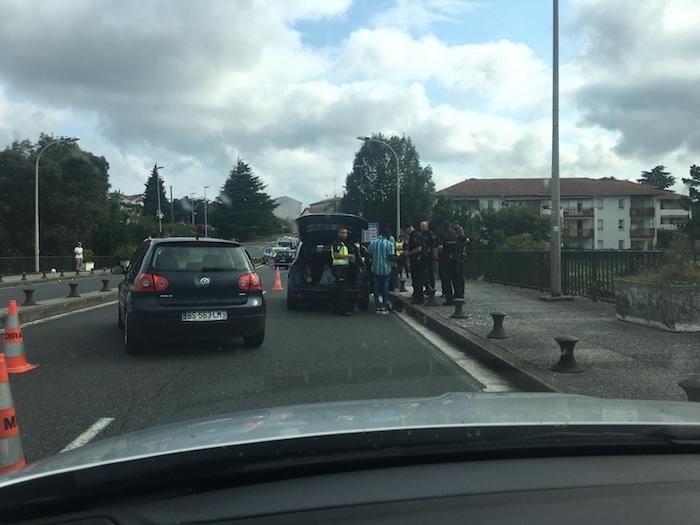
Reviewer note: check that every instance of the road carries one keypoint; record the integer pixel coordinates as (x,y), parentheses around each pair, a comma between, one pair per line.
(308,356)
(54,288)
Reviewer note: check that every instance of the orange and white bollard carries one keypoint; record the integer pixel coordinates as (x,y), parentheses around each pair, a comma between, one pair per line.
(11,452)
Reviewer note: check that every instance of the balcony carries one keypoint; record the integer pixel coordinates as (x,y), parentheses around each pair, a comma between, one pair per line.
(584,233)
(642,211)
(642,232)
(575,212)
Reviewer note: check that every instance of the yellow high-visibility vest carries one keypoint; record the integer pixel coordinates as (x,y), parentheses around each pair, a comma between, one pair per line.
(343,251)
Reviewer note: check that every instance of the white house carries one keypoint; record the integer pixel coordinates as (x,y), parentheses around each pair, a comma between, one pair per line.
(597,213)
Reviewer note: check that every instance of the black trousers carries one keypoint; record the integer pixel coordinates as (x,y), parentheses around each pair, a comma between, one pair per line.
(340,273)
(430,277)
(456,273)
(445,280)
(418,271)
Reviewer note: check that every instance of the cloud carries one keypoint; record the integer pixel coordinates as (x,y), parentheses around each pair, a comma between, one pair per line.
(420,15)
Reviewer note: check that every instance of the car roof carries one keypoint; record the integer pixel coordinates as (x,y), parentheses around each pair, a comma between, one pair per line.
(208,240)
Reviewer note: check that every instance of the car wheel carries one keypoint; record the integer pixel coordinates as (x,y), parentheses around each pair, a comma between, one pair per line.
(132,344)
(255,340)
(120,319)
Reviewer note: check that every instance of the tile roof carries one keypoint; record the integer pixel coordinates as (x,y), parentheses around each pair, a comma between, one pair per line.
(540,188)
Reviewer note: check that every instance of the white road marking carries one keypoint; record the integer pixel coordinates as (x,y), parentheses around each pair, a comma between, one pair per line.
(90,434)
(66,314)
(491,381)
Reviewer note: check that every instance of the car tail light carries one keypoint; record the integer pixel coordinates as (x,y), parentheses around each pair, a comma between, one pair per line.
(147,282)
(250,282)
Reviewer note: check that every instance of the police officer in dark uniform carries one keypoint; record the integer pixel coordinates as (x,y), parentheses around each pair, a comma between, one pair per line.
(340,260)
(444,262)
(430,251)
(416,257)
(454,244)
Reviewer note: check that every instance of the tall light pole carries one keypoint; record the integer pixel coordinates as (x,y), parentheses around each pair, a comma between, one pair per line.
(205,211)
(36,197)
(158,189)
(192,204)
(555,244)
(398,181)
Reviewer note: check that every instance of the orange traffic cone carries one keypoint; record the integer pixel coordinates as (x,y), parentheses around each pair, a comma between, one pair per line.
(277,284)
(11,452)
(13,343)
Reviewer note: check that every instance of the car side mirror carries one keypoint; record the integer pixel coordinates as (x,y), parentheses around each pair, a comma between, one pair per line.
(118,270)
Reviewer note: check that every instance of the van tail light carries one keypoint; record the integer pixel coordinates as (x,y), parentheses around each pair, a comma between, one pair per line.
(147,282)
(250,282)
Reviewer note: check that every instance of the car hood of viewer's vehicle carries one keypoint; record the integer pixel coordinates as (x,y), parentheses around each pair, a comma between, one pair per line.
(322,228)
(349,417)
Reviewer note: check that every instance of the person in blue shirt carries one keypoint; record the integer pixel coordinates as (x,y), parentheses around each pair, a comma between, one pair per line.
(381,250)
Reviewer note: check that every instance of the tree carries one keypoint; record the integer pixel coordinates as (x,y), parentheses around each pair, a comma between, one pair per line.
(73,186)
(692,228)
(150,197)
(499,225)
(243,210)
(370,189)
(658,177)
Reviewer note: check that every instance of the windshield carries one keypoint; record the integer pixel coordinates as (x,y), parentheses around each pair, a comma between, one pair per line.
(226,208)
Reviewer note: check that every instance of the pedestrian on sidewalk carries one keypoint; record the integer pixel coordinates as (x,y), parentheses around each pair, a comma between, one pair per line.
(455,244)
(78,255)
(430,251)
(381,250)
(416,259)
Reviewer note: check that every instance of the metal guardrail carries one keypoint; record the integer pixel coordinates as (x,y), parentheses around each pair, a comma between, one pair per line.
(589,273)
(19,265)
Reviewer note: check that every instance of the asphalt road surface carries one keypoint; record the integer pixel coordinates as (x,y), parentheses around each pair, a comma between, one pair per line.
(55,288)
(308,356)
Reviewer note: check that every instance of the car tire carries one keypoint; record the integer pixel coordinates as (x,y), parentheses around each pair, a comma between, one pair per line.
(255,340)
(120,319)
(132,344)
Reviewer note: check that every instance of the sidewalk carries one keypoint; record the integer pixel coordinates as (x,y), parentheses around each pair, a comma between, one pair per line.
(621,360)
(9,281)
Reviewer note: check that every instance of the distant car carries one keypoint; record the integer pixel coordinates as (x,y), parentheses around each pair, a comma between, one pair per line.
(310,276)
(284,258)
(186,288)
(270,252)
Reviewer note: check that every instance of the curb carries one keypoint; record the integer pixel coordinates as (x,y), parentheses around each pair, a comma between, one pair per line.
(69,276)
(480,349)
(41,311)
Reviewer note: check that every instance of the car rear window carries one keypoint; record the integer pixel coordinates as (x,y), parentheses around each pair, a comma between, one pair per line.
(188,258)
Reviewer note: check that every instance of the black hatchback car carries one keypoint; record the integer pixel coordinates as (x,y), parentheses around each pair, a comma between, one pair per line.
(188,288)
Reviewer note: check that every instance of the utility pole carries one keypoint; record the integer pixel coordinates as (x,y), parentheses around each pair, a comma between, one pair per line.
(158,190)
(205,211)
(555,244)
(172,206)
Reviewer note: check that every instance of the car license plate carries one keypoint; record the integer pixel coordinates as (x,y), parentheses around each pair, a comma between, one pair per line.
(217,315)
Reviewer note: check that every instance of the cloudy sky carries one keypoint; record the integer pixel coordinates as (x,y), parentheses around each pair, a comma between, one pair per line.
(288,85)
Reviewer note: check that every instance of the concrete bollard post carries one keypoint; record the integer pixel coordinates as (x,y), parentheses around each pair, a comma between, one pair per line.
(73,290)
(92,271)
(691,386)
(567,362)
(29,297)
(497,332)
(24,276)
(77,272)
(105,285)
(0,278)
(402,285)
(62,274)
(458,313)
(43,275)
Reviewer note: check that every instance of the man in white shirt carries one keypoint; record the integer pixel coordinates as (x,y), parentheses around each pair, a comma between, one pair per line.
(78,254)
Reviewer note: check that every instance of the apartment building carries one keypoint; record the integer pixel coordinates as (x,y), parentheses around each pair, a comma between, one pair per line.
(600,214)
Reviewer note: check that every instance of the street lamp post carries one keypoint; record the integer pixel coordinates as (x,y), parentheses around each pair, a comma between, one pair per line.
(158,189)
(555,244)
(36,197)
(398,181)
(205,211)
(192,203)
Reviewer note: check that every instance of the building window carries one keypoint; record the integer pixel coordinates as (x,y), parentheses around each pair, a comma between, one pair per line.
(621,204)
(490,204)
(621,245)
(621,224)
(600,224)
(600,204)
(600,245)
